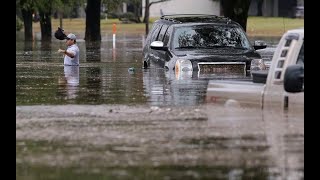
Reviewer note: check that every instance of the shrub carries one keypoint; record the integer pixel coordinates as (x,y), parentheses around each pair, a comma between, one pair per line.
(128,15)
(103,16)
(112,15)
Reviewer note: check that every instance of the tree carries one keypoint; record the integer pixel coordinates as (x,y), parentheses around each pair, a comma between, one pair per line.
(136,4)
(93,32)
(27,8)
(45,8)
(236,10)
(113,4)
(136,8)
(64,8)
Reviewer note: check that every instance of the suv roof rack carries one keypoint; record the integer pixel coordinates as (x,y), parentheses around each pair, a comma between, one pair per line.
(184,15)
(179,17)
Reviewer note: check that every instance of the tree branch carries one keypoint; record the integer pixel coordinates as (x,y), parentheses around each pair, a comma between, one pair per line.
(155,2)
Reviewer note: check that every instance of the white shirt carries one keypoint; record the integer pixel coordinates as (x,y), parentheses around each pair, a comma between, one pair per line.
(75,60)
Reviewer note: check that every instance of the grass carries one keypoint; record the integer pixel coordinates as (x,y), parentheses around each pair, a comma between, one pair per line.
(271,26)
(256,26)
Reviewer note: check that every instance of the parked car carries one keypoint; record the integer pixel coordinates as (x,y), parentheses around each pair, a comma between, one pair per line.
(202,43)
(298,12)
(281,87)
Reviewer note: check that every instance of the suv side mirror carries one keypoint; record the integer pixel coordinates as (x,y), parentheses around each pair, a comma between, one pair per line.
(259,44)
(294,78)
(158,45)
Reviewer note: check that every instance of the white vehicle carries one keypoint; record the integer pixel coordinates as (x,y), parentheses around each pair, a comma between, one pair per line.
(282,86)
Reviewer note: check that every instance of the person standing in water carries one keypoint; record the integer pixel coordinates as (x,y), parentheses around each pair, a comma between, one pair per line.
(71,54)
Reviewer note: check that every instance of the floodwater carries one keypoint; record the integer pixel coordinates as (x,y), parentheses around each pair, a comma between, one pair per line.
(111,119)
(120,142)
(106,75)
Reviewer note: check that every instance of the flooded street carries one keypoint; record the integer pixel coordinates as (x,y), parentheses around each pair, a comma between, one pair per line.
(104,76)
(111,119)
(121,142)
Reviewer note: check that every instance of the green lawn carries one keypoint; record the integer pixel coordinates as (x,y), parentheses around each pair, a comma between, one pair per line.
(271,26)
(256,26)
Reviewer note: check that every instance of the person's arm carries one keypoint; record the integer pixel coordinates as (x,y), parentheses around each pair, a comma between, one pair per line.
(70,53)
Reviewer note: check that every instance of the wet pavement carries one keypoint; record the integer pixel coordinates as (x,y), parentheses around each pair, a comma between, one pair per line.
(111,119)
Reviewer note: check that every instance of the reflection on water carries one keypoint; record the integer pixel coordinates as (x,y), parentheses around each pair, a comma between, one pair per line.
(103,73)
(164,88)
(93,51)
(69,83)
(103,76)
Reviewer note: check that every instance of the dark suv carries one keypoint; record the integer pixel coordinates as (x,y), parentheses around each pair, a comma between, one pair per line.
(203,43)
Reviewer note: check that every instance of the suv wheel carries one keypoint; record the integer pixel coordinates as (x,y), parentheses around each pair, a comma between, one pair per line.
(145,64)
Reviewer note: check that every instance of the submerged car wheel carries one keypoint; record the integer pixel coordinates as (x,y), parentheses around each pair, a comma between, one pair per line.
(145,64)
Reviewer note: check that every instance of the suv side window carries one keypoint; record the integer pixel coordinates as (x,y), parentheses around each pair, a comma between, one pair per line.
(150,33)
(300,59)
(167,36)
(162,32)
(155,33)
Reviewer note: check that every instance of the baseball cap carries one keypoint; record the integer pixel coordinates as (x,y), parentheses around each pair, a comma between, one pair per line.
(72,36)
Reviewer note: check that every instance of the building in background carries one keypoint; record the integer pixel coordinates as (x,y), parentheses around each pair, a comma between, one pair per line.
(275,8)
(183,7)
(269,8)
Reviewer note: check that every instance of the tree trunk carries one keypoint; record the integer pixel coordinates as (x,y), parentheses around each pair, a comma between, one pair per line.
(146,16)
(45,47)
(137,13)
(93,32)
(259,6)
(45,25)
(236,10)
(27,21)
(93,51)
(146,11)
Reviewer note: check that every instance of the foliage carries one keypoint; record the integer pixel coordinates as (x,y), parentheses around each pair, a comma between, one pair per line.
(112,15)
(135,3)
(47,6)
(112,4)
(103,16)
(19,24)
(236,10)
(128,15)
(25,4)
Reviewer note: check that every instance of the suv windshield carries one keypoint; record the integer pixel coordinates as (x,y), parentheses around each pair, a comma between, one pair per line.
(209,36)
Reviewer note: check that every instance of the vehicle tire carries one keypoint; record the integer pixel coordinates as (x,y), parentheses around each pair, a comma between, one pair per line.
(145,64)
